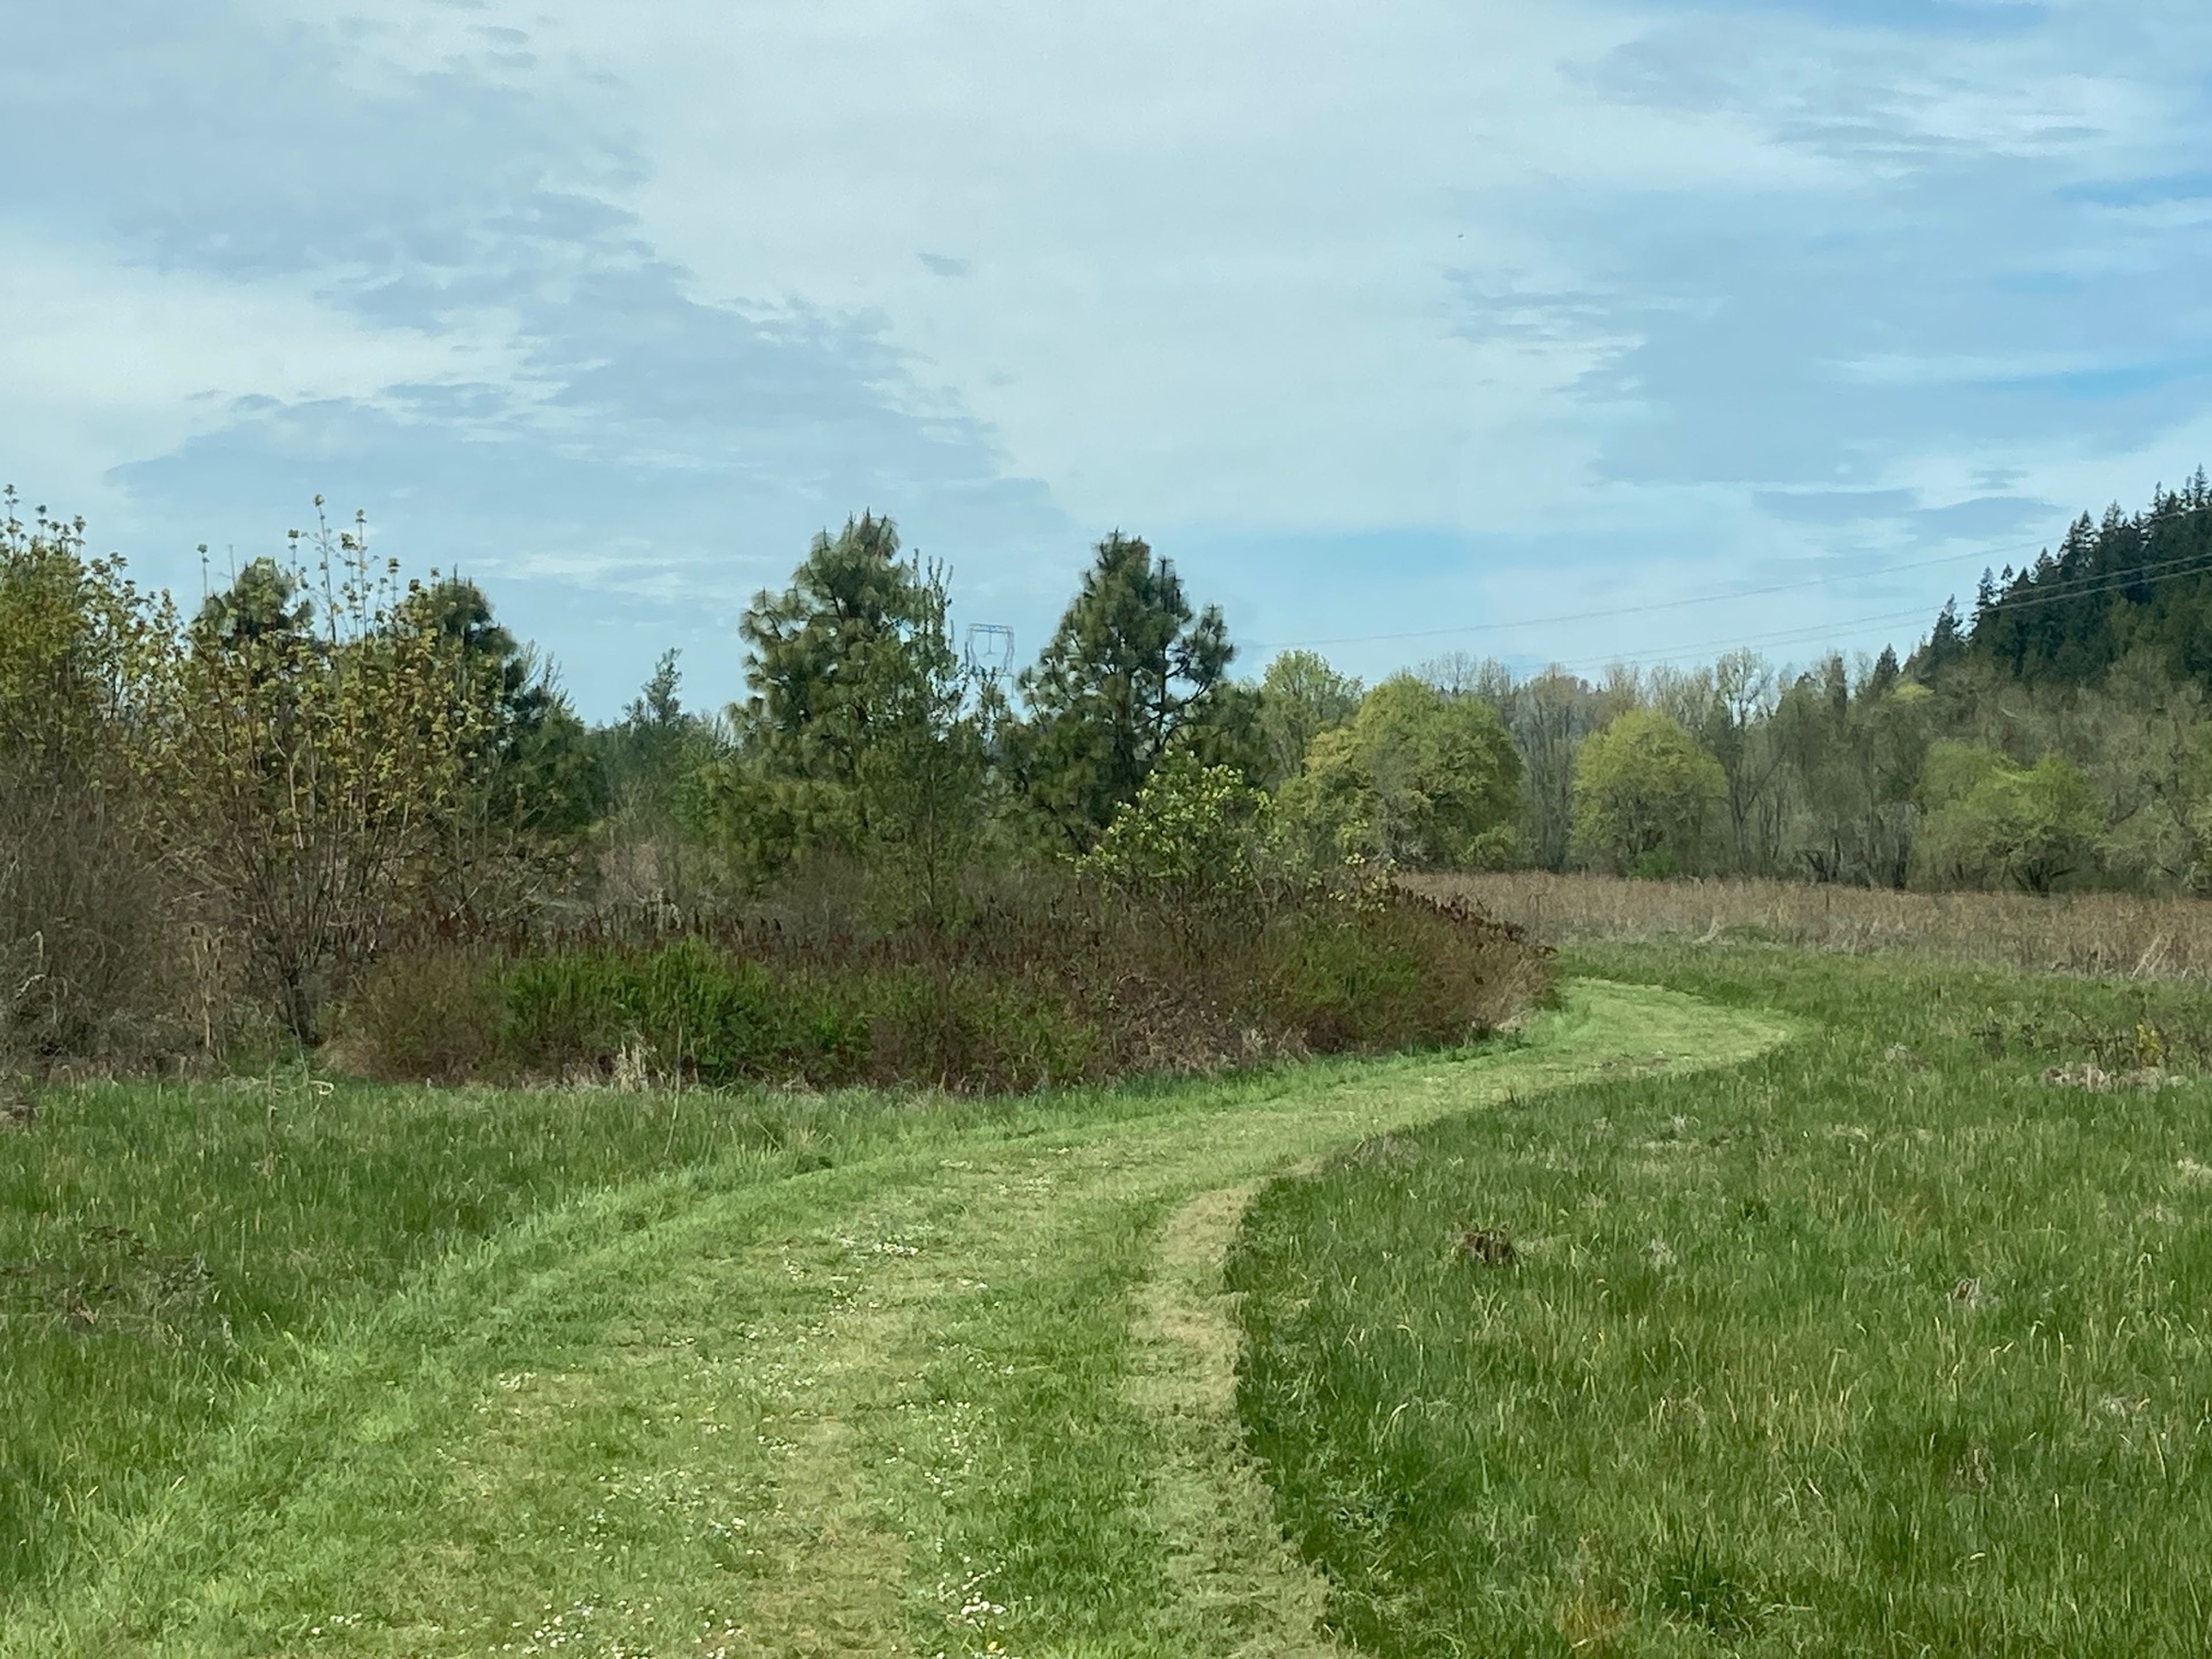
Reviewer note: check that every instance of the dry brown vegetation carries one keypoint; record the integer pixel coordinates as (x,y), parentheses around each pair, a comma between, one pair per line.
(1052,983)
(2112,934)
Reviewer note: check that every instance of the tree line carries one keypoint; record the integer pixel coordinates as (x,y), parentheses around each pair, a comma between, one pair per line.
(269,791)
(2057,736)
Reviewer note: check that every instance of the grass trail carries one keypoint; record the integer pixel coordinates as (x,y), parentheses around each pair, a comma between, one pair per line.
(971,1396)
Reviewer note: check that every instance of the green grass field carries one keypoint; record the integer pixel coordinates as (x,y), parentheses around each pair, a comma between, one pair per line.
(1881,1345)
(472,1373)
(1830,1328)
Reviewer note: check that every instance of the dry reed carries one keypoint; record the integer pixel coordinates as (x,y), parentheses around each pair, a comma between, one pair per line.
(2118,935)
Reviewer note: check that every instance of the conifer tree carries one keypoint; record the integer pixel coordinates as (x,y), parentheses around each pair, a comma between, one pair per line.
(1131,668)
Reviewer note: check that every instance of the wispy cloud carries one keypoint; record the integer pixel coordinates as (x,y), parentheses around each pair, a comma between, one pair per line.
(1363,313)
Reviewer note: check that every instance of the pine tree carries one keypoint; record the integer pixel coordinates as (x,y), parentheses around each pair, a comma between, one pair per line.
(1130,669)
(1944,645)
(809,646)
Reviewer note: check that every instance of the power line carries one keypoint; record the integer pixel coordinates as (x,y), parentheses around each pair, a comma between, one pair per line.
(1902,568)
(2085,587)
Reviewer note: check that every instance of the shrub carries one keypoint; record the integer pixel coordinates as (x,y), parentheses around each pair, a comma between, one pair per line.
(94,958)
(1397,973)
(958,1029)
(426,1016)
(694,1011)
(92,961)
(1056,985)
(1187,846)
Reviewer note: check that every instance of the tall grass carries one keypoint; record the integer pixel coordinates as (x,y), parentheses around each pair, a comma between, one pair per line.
(2083,934)
(1882,1346)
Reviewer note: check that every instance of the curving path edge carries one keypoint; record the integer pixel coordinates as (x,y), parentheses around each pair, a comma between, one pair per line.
(975,1396)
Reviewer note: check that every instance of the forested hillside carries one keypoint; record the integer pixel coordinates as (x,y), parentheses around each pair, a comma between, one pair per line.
(2127,584)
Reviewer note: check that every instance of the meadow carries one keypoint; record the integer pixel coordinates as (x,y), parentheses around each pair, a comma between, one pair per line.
(1751,1300)
(433,1370)
(2122,935)
(1894,1341)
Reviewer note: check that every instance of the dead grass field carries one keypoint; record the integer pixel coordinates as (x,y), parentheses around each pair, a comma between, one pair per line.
(2104,934)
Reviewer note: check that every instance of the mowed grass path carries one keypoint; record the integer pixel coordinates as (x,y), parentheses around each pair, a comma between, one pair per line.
(1883,1345)
(967,1391)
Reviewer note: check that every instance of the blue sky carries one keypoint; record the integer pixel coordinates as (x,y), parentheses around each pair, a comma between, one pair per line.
(1392,325)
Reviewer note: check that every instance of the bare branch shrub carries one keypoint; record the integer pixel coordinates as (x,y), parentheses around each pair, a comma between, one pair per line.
(92,958)
(311,769)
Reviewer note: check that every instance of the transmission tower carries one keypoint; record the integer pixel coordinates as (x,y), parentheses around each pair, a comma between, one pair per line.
(990,648)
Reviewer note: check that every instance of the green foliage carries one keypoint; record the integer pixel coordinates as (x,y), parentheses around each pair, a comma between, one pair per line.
(1087,982)
(1857,757)
(1642,794)
(864,735)
(1301,696)
(1380,970)
(2123,583)
(93,956)
(318,781)
(956,1026)
(918,786)
(653,759)
(1130,669)
(1548,717)
(1192,841)
(686,1011)
(323,759)
(534,772)
(1416,779)
(762,824)
(77,641)
(1992,823)
(265,608)
(814,651)
(691,1012)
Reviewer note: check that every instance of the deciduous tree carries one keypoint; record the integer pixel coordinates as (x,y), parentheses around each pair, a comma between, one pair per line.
(1991,822)
(1416,779)
(1301,696)
(1642,793)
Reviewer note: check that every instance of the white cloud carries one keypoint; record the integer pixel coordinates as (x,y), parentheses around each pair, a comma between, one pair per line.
(1587,292)
(108,360)
(1210,248)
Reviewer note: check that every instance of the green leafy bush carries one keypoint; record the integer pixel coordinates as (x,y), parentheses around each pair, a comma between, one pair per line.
(1190,843)
(687,1009)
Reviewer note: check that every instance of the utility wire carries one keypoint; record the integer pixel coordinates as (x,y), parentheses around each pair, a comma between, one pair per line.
(1901,568)
(2084,588)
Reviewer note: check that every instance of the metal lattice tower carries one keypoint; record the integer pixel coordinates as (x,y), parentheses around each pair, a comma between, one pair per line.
(990,648)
